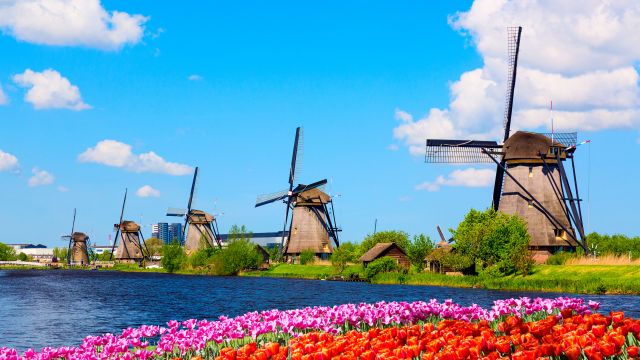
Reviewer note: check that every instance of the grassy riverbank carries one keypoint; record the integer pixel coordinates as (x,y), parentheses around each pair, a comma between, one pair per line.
(581,279)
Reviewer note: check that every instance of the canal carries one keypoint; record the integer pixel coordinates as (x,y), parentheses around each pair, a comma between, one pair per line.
(57,308)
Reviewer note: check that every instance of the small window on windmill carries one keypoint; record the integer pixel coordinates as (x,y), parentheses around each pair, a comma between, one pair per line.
(530,204)
(530,171)
(560,234)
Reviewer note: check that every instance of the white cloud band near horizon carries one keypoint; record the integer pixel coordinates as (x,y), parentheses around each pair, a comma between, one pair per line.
(576,54)
(120,155)
(70,23)
(50,90)
(470,177)
(147,191)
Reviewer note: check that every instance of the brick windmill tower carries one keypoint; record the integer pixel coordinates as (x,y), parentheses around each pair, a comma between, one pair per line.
(312,226)
(129,240)
(77,250)
(201,228)
(531,180)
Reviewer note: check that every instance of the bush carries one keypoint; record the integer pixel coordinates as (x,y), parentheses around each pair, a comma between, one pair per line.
(382,265)
(239,255)
(174,257)
(23,257)
(559,258)
(307,257)
(7,253)
(342,255)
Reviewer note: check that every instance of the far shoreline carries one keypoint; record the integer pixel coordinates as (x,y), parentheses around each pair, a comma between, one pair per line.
(571,279)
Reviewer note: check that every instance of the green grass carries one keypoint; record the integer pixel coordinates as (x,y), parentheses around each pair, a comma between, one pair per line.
(303,271)
(580,279)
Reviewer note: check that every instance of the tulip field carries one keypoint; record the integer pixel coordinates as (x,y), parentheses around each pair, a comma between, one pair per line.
(523,328)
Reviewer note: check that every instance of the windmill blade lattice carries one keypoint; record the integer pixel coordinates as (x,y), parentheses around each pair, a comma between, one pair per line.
(460,151)
(269,198)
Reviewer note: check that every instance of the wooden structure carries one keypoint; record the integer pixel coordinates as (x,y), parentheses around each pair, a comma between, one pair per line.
(531,180)
(201,228)
(312,225)
(391,250)
(433,261)
(129,240)
(77,250)
(79,254)
(200,231)
(130,246)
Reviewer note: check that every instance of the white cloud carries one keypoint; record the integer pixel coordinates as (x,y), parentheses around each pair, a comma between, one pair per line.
(393,147)
(577,54)
(50,90)
(40,177)
(63,188)
(118,154)
(147,191)
(70,23)
(470,177)
(194,77)
(3,97)
(8,161)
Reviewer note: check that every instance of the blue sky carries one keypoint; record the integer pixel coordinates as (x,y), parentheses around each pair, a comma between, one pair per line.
(223,86)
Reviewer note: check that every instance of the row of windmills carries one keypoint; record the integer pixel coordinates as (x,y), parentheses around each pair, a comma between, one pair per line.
(531,180)
(311,225)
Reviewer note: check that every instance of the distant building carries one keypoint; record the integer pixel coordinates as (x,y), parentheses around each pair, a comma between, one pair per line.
(167,232)
(175,232)
(39,253)
(101,249)
(267,240)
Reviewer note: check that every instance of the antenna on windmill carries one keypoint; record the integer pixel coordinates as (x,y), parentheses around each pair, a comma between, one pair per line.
(551,113)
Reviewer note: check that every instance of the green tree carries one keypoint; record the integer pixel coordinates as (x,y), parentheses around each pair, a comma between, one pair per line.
(381,265)
(154,246)
(7,253)
(307,257)
(60,254)
(105,256)
(401,238)
(492,239)
(173,257)
(342,255)
(23,257)
(240,254)
(420,247)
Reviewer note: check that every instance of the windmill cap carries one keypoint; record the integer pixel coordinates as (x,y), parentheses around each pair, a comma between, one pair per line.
(79,236)
(527,145)
(129,226)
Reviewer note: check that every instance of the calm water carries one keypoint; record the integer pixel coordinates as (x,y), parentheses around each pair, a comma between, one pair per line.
(58,308)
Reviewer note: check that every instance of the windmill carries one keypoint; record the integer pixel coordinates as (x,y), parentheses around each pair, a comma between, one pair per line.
(128,238)
(199,226)
(313,220)
(531,180)
(77,250)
